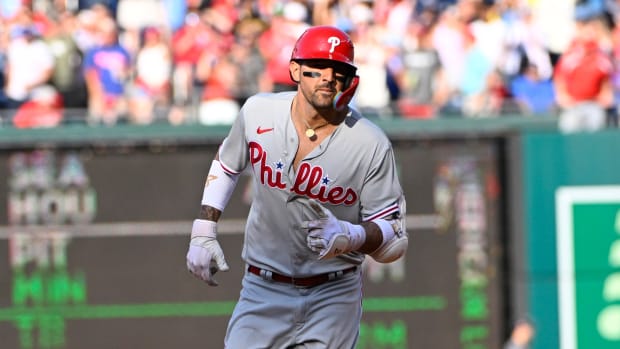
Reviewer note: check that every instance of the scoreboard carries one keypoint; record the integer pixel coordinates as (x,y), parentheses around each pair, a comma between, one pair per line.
(93,243)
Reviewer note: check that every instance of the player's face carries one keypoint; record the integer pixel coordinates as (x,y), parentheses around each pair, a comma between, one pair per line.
(320,82)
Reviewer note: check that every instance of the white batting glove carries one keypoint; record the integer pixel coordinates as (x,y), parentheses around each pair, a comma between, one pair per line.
(205,256)
(330,237)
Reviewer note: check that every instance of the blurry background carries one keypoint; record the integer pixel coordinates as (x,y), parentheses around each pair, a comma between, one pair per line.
(111,112)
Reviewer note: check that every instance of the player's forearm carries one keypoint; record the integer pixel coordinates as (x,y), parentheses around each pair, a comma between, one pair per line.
(393,240)
(374,238)
(209,213)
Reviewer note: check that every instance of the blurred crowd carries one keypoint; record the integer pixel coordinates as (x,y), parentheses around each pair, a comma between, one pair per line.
(104,62)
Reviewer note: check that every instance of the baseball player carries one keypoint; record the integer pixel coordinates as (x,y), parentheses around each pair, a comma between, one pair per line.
(326,193)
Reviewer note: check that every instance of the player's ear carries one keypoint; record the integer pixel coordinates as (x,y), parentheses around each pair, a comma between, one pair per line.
(294,70)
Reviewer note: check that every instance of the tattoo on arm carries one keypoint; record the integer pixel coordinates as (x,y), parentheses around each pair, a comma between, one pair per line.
(210,213)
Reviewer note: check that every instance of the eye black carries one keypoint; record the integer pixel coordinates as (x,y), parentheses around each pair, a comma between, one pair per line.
(311,74)
(314,74)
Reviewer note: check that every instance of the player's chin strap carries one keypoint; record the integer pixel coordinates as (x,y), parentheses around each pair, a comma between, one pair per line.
(343,98)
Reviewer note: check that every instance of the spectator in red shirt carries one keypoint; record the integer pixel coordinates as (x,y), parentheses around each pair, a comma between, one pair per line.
(218,72)
(277,42)
(150,91)
(189,42)
(583,79)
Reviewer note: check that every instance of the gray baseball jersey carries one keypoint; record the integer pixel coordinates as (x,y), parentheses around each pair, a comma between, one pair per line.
(352,173)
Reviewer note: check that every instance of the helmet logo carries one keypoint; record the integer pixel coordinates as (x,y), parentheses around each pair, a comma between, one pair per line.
(334,41)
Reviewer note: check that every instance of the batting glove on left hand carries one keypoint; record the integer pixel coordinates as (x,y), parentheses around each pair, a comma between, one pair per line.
(330,237)
(205,256)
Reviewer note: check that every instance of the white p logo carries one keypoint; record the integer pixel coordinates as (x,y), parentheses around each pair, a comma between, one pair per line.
(334,41)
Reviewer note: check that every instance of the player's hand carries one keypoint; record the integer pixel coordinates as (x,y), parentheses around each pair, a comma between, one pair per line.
(330,237)
(205,256)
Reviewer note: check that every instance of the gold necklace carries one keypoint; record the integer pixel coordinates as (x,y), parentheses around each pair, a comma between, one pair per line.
(310,131)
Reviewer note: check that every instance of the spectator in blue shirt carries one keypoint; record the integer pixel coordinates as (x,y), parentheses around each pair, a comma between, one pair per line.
(534,94)
(106,71)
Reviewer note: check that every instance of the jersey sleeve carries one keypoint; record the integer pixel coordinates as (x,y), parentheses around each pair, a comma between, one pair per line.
(382,195)
(233,152)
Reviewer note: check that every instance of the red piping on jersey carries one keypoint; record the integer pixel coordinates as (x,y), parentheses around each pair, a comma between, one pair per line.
(228,170)
(385,212)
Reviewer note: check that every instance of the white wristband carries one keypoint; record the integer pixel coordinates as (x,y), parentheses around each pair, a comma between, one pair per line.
(386,229)
(204,228)
(219,187)
(357,235)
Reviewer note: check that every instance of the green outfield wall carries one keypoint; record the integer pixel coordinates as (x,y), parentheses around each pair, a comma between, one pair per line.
(572,255)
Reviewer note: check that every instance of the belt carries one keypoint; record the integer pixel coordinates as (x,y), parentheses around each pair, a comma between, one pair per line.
(310,281)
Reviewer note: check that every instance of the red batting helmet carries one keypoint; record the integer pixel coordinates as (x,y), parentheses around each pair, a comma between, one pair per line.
(324,42)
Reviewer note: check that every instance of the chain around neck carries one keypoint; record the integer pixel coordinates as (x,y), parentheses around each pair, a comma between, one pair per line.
(311,131)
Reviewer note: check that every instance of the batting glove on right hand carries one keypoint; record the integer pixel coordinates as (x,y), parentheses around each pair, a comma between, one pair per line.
(330,237)
(205,256)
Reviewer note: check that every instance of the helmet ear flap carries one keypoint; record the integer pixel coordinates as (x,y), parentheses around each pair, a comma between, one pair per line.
(343,98)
